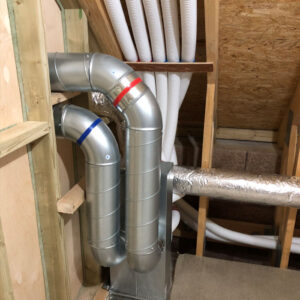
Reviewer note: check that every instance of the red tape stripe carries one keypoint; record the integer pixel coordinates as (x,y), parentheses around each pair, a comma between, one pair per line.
(126,90)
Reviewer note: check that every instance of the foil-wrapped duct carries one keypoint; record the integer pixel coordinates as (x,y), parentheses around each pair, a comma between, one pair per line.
(238,186)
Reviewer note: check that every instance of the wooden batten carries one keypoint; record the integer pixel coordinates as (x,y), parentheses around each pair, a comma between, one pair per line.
(269,136)
(194,67)
(21,135)
(32,62)
(288,140)
(212,35)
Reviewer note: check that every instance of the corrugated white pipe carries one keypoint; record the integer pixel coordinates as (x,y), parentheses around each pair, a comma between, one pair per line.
(138,26)
(171,27)
(214,231)
(155,26)
(188,13)
(116,15)
(175,219)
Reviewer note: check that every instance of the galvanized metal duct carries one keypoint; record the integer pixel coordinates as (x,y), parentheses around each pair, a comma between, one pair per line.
(243,187)
(102,179)
(100,72)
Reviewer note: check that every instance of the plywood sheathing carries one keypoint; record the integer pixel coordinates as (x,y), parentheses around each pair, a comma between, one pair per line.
(259,61)
(17,204)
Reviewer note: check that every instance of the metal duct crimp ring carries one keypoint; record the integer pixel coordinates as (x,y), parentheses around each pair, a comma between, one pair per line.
(128,89)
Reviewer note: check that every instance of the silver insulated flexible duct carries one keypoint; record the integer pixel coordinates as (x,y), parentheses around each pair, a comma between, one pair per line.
(102,179)
(238,186)
(100,72)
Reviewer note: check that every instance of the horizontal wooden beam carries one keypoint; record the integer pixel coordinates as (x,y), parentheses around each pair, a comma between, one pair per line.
(61,97)
(269,136)
(73,199)
(172,66)
(21,135)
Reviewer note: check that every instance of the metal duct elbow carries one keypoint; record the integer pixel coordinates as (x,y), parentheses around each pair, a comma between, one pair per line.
(102,160)
(100,72)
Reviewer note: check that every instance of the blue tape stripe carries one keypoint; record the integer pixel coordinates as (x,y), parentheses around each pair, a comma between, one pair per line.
(88,131)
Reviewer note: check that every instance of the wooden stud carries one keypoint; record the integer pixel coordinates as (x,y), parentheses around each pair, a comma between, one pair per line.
(77,41)
(285,218)
(6,291)
(62,97)
(20,135)
(288,215)
(172,66)
(72,200)
(212,36)
(269,136)
(32,61)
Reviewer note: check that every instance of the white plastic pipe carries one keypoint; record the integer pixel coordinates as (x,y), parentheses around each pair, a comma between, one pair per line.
(171,28)
(116,15)
(188,13)
(155,27)
(175,219)
(214,231)
(138,26)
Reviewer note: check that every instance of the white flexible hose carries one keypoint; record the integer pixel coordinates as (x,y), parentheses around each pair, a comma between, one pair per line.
(155,26)
(138,26)
(175,219)
(171,27)
(149,80)
(214,231)
(116,15)
(161,79)
(188,13)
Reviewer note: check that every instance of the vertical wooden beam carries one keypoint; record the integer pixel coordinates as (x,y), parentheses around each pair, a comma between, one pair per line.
(211,9)
(32,64)
(288,214)
(6,291)
(288,140)
(77,40)
(101,27)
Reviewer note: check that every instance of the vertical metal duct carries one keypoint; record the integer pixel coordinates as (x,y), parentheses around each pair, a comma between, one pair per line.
(100,72)
(102,179)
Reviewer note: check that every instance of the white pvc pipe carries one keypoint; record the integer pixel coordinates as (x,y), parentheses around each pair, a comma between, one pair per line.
(155,26)
(116,15)
(188,13)
(214,231)
(175,219)
(171,27)
(138,26)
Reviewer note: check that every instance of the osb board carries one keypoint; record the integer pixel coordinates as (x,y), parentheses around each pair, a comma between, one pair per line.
(259,61)
(55,43)
(17,205)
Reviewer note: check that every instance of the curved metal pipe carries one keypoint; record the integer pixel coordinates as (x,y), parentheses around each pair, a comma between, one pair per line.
(100,72)
(102,167)
(237,186)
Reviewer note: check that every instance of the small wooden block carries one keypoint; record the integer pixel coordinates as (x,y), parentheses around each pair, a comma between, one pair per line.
(72,200)
(61,97)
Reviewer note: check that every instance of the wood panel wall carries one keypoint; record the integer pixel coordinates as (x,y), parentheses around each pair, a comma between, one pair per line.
(259,61)
(17,204)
